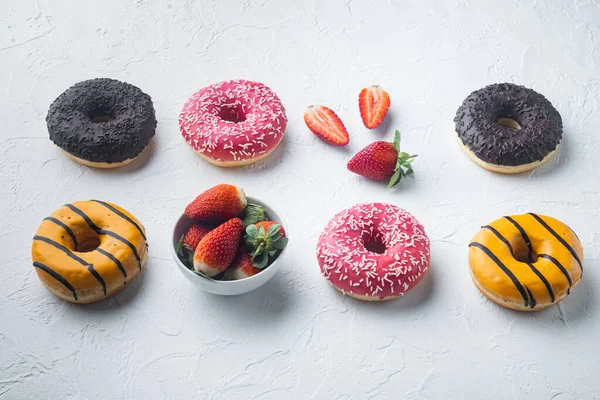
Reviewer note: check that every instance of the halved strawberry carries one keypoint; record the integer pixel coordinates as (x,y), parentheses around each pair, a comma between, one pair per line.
(382,160)
(218,248)
(325,123)
(217,204)
(242,267)
(194,235)
(374,103)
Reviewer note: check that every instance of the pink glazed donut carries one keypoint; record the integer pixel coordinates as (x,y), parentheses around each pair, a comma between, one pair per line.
(233,123)
(373,251)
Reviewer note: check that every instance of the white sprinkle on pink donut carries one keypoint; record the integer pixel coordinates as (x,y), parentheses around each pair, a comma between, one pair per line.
(234,121)
(374,250)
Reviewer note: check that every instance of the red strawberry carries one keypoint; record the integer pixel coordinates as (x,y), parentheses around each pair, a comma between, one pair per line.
(242,267)
(325,123)
(217,204)
(382,160)
(217,249)
(267,224)
(195,234)
(374,103)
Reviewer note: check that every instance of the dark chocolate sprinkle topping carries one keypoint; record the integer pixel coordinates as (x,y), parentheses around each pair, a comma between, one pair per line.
(132,123)
(478,129)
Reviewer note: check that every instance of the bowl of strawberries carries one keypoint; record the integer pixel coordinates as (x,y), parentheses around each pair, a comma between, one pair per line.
(227,243)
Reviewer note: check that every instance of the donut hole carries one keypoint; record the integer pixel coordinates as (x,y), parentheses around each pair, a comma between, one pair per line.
(89,243)
(232,113)
(100,114)
(375,245)
(523,255)
(506,117)
(509,123)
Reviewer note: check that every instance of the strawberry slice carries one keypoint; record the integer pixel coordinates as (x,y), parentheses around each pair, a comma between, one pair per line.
(325,123)
(374,103)
(218,248)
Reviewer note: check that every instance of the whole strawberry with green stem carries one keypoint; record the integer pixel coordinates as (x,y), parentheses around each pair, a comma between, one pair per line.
(383,160)
(264,240)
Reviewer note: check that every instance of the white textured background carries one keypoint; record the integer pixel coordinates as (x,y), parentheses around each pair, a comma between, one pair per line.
(297,338)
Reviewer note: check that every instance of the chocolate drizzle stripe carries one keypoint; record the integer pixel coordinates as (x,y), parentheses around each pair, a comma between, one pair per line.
(573,232)
(83,215)
(65,227)
(534,269)
(503,267)
(120,214)
(56,276)
(114,259)
(70,254)
(543,279)
(499,236)
(532,302)
(123,240)
(97,276)
(561,240)
(558,265)
(61,248)
(523,235)
(105,232)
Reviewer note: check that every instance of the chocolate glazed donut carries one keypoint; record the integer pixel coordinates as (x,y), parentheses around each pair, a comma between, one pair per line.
(102,122)
(508,128)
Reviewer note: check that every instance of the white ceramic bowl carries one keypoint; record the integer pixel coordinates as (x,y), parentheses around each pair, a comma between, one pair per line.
(229,288)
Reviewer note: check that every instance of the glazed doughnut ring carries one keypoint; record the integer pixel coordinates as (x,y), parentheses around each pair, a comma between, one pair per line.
(526,262)
(233,123)
(373,251)
(88,250)
(508,128)
(102,123)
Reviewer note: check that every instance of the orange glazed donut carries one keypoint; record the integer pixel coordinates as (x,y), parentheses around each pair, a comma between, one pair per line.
(86,251)
(526,262)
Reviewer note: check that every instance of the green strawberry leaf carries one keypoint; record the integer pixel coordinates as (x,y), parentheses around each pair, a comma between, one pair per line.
(261,231)
(396,142)
(403,165)
(261,261)
(280,244)
(189,248)
(180,244)
(273,229)
(252,230)
(252,214)
(395,178)
(272,253)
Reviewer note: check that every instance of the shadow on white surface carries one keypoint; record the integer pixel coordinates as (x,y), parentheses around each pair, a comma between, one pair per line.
(267,304)
(119,301)
(140,162)
(386,130)
(578,307)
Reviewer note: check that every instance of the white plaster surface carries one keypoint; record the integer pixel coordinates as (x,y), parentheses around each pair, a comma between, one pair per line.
(297,338)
